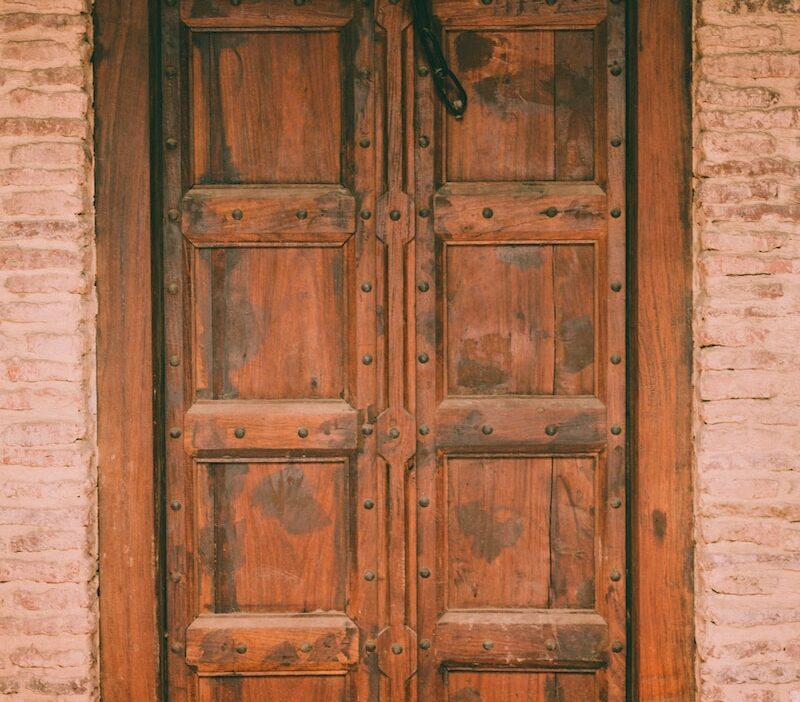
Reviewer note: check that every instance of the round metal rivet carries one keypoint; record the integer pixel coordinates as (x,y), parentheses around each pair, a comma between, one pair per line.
(616,141)
(366,359)
(363,73)
(424,430)
(394,433)
(616,70)
(305,647)
(425,644)
(175,577)
(616,286)
(366,287)
(368,504)
(369,576)
(236,2)
(171,3)
(172,288)
(550,645)
(487,213)
(241,648)
(615,502)
(302,214)
(487,429)
(551,211)
(239,432)
(370,647)
(423,287)
(299,2)
(237,214)
(425,573)
(173,215)
(397,649)
(366,430)
(616,647)
(175,505)
(616,2)
(423,358)
(615,576)
(616,360)
(394,215)
(486,2)
(551,430)
(366,214)
(423,71)
(616,430)
(171,71)
(424,212)
(616,212)
(176,648)
(175,432)
(302,432)
(551,2)
(174,361)
(364,143)
(424,501)
(424,141)
(172,143)
(488,645)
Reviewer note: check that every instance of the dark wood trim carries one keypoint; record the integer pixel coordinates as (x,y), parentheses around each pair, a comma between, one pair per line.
(661,354)
(660,346)
(129,650)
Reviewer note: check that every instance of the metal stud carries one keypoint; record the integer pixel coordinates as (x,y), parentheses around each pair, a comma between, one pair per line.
(394,433)
(424,501)
(172,288)
(302,432)
(370,647)
(397,649)
(423,287)
(616,70)
(366,214)
(171,3)
(487,213)
(424,430)
(241,648)
(551,2)
(424,212)
(299,2)
(364,143)
(423,71)
(616,212)
(369,504)
(366,359)
(617,647)
(366,430)
(305,647)
(486,2)
(425,644)
(236,2)
(615,576)
(615,502)
(616,430)
(394,215)
(174,361)
(616,359)
(175,505)
(171,143)
(239,432)
(237,214)
(366,287)
(363,73)
(551,430)
(616,286)
(175,433)
(176,648)
(550,645)
(173,215)
(423,358)
(424,142)
(176,577)
(425,573)
(551,211)
(369,575)
(616,142)
(487,429)
(301,214)
(488,645)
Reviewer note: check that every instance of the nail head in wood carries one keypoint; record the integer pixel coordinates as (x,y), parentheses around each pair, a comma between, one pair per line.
(366,214)
(423,358)
(366,287)
(302,214)
(551,430)
(425,573)
(394,433)
(616,360)
(369,504)
(394,215)
(423,287)
(173,215)
(241,648)
(488,645)
(616,212)
(616,286)
(305,647)
(424,430)
(369,576)
(551,211)
(424,142)
(487,213)
(239,432)
(615,502)
(237,214)
(302,432)
(366,359)
(615,576)
(425,644)
(175,505)
(397,649)
(616,430)
(616,647)
(550,645)
(487,429)
(175,433)
(424,212)
(367,430)
(424,501)
(370,647)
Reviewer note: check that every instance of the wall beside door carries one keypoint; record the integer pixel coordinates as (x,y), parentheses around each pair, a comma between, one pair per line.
(747,319)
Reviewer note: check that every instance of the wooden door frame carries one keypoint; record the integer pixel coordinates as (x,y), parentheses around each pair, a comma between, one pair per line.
(659,348)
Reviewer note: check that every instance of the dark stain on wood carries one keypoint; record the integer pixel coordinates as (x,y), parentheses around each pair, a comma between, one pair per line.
(327,647)
(659,524)
(282,654)
(217,644)
(523,257)
(468,694)
(483,362)
(492,530)
(229,534)
(577,336)
(205,8)
(473,51)
(284,497)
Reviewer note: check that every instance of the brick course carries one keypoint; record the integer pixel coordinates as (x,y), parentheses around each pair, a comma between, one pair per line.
(747,215)
(48,562)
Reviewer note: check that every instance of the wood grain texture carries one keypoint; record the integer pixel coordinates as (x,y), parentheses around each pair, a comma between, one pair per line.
(663,580)
(512,13)
(129,637)
(320,688)
(215,14)
(521,687)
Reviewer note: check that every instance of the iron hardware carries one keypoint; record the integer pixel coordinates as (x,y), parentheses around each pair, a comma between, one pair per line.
(424,142)
(172,144)
(176,648)
(488,645)
(237,214)
(366,430)
(551,430)
(615,576)
(171,71)
(241,648)
(551,211)
(616,430)
(172,288)
(487,213)
(368,504)
(425,644)
(487,429)
(616,70)
(615,503)
(394,433)
(364,143)
(424,501)
(175,505)
(394,215)
(616,212)
(424,430)
(397,649)
(174,361)
(423,287)
(423,358)
(366,359)
(424,212)
(302,432)
(616,360)
(173,215)
(305,647)
(616,141)
(550,645)
(175,433)
(369,576)
(366,214)
(239,432)
(616,647)
(366,287)
(425,573)
(302,214)
(423,71)
(616,286)
(370,647)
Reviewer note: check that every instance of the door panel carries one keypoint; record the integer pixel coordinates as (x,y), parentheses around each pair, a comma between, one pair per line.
(394,397)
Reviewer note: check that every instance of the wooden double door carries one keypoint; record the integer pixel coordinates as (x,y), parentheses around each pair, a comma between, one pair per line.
(395,343)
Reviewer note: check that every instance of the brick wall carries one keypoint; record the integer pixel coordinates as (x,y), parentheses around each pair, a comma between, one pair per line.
(747,215)
(47,310)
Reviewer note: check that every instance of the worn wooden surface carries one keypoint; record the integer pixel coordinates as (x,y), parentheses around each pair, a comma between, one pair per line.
(129,650)
(663,579)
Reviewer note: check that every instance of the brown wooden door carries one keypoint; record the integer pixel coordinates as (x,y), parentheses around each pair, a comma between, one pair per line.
(395,353)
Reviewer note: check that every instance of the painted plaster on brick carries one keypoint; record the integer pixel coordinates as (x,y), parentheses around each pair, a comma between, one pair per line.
(48,558)
(747,216)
